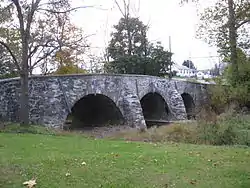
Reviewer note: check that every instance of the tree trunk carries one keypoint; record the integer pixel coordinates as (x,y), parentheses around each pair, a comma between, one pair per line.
(24,100)
(233,40)
(129,36)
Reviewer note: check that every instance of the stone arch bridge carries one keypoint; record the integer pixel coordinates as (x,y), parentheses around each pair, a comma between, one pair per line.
(99,98)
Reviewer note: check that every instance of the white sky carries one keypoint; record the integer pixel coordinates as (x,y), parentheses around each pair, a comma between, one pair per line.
(165,17)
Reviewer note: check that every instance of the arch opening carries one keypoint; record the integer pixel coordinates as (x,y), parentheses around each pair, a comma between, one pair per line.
(94,110)
(189,105)
(155,109)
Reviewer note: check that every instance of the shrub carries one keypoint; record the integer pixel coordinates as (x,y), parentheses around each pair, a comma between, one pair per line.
(226,129)
(237,87)
(218,97)
(168,133)
(16,128)
(219,133)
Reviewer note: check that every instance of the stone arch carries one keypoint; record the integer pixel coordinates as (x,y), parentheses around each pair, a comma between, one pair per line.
(189,105)
(170,94)
(95,110)
(154,107)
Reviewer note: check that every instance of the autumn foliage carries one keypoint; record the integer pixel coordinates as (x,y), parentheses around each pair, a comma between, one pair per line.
(65,63)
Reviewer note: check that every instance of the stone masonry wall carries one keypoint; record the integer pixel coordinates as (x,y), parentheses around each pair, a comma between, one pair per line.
(197,91)
(52,97)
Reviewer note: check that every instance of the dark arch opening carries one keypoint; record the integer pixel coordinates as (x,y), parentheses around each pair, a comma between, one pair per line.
(94,110)
(155,109)
(189,105)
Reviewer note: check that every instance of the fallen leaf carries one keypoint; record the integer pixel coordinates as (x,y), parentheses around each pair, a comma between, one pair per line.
(193,182)
(215,164)
(31,183)
(116,155)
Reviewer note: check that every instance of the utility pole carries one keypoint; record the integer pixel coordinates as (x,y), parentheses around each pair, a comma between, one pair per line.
(189,59)
(170,50)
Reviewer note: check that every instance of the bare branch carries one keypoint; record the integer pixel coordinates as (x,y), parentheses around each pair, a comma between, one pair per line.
(69,10)
(12,54)
(44,56)
(37,47)
(242,23)
(34,7)
(20,17)
(123,13)
(128,8)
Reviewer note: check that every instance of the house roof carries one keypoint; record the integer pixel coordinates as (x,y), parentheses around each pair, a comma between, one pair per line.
(181,67)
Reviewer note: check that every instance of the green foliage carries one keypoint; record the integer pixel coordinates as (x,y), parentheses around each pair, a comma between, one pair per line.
(219,97)
(69,69)
(129,38)
(160,60)
(131,52)
(49,32)
(12,37)
(9,75)
(214,27)
(215,71)
(227,129)
(189,64)
(241,92)
(66,64)
(219,133)
(222,96)
(15,128)
(127,65)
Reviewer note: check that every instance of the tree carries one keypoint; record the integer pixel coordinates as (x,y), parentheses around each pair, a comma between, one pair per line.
(25,13)
(123,43)
(57,33)
(160,61)
(66,64)
(189,64)
(215,71)
(241,92)
(226,25)
(133,53)
(48,34)
(11,37)
(7,68)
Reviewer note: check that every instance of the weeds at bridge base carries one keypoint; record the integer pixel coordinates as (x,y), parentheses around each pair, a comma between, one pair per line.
(221,130)
(226,129)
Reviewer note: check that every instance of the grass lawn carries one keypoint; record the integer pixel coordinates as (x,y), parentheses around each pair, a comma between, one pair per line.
(118,164)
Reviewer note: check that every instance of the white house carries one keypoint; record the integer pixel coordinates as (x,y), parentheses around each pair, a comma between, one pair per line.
(183,71)
(201,74)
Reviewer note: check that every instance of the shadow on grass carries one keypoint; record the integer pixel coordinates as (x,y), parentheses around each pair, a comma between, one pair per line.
(36,129)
